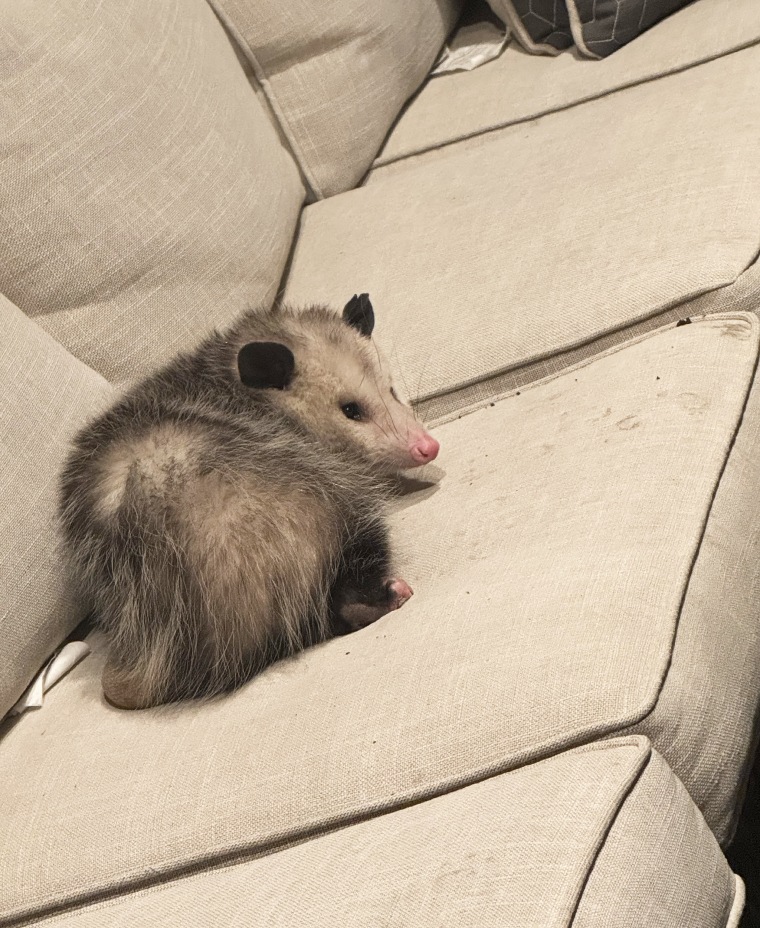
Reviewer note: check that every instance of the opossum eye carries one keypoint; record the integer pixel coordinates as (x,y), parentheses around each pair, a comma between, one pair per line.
(394,395)
(352,411)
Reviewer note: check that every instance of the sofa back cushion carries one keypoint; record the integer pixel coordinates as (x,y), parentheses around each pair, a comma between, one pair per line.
(45,396)
(146,194)
(337,72)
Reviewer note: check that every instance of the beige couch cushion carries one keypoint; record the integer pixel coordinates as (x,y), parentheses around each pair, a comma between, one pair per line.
(586,566)
(506,249)
(653,869)
(517,87)
(45,395)
(336,74)
(146,195)
(606,830)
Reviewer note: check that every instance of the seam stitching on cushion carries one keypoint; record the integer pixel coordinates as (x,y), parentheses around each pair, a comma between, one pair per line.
(751,263)
(232,856)
(381,162)
(282,286)
(313,189)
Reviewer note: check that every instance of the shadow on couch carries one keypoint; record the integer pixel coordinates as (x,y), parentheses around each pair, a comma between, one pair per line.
(744,852)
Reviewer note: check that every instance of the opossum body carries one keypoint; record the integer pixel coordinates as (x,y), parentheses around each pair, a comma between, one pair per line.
(229,510)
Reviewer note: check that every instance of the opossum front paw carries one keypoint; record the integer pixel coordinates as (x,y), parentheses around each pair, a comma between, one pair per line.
(361,608)
(122,689)
(399,592)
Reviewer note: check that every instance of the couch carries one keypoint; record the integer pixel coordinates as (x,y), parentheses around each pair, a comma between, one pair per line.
(562,254)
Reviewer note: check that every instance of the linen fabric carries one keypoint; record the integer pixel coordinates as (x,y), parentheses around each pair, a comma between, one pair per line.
(516,88)
(474,275)
(45,396)
(146,196)
(660,866)
(606,829)
(336,74)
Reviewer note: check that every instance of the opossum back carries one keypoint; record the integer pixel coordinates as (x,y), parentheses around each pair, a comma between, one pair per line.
(209,549)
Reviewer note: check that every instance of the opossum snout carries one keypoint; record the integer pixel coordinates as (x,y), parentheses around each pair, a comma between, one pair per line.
(424,450)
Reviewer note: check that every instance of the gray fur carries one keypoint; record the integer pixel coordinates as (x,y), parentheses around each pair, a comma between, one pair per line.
(217,528)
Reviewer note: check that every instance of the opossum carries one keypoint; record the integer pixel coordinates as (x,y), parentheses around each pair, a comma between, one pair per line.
(229,510)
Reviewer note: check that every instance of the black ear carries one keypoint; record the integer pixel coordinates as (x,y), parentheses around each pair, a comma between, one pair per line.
(358,313)
(266,365)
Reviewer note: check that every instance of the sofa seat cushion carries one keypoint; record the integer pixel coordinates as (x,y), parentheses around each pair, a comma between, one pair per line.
(512,247)
(606,831)
(146,195)
(517,87)
(336,74)
(45,396)
(586,567)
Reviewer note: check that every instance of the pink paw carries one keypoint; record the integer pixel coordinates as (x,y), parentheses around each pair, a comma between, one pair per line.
(400,592)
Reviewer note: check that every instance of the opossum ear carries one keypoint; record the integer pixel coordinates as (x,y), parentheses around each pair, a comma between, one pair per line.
(266,365)
(358,313)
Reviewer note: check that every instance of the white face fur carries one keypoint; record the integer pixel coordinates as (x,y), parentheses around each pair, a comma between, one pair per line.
(345,392)
(327,371)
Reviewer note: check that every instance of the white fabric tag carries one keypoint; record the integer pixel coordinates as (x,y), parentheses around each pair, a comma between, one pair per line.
(58,665)
(472,46)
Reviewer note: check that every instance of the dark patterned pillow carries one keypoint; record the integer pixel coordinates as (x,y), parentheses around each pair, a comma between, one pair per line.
(540,26)
(601,27)
(598,27)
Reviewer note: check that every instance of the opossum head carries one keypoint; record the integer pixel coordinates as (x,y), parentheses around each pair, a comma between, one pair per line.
(326,371)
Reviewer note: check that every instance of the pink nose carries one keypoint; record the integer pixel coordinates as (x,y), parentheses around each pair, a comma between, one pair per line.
(424,450)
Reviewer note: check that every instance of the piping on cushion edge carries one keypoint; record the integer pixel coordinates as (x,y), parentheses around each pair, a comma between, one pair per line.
(313,189)
(751,383)
(737,905)
(628,725)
